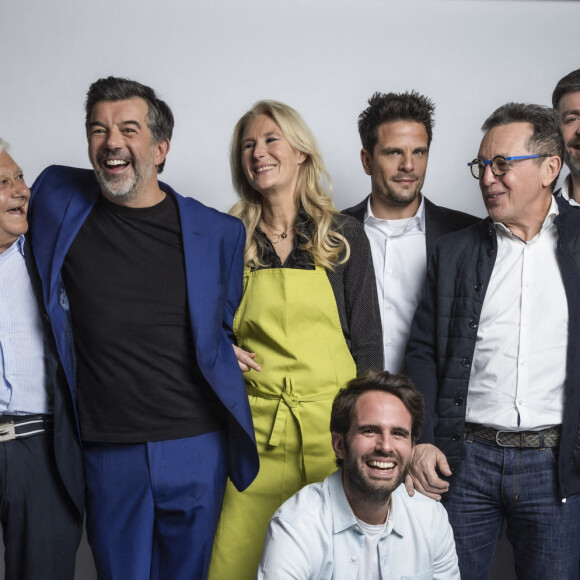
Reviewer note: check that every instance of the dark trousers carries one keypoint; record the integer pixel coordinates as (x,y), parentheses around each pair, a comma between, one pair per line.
(41,527)
(153,508)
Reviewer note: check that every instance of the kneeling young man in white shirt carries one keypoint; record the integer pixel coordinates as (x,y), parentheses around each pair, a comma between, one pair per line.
(360,523)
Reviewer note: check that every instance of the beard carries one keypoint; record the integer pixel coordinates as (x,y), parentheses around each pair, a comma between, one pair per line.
(122,188)
(572,162)
(368,489)
(401,196)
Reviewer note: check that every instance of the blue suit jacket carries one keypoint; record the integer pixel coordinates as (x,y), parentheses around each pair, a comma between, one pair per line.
(67,450)
(213,243)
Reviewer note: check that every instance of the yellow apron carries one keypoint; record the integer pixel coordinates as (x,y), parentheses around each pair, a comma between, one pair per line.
(289,318)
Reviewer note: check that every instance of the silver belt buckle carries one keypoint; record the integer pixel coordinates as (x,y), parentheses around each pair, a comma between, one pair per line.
(497,439)
(7,431)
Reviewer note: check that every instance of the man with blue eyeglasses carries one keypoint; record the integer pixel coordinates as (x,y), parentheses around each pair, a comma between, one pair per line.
(493,348)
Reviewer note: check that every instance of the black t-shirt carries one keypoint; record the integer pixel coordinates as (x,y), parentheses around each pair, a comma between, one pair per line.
(138,379)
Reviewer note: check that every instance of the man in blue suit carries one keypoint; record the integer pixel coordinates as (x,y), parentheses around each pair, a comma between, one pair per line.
(141,285)
(41,469)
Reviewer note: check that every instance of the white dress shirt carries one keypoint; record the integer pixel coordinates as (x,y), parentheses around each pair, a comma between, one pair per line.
(400,259)
(316,536)
(519,364)
(22,355)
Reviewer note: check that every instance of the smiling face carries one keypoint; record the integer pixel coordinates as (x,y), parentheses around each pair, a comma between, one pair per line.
(377,450)
(569,111)
(122,151)
(14,196)
(520,199)
(397,167)
(270,163)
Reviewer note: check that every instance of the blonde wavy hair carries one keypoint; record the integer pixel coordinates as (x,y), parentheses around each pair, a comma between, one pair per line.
(314,188)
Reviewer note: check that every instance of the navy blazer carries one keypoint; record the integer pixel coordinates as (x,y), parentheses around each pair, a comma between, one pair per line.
(213,244)
(438,220)
(67,449)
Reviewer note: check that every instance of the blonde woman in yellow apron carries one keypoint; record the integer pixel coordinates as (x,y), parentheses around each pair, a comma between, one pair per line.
(308,321)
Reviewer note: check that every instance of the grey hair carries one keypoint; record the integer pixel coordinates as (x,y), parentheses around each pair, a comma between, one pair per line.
(3,146)
(546,137)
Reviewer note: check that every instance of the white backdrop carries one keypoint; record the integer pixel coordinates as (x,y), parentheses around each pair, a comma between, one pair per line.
(211,60)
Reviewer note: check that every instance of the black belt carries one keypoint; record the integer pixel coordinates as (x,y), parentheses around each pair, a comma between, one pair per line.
(545,438)
(18,426)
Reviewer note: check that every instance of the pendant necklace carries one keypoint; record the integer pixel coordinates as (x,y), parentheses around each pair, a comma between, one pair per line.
(274,237)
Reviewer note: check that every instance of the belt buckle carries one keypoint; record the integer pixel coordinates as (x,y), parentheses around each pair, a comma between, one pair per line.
(498,433)
(7,431)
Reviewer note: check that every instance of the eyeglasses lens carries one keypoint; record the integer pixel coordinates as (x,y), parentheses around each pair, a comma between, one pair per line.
(500,166)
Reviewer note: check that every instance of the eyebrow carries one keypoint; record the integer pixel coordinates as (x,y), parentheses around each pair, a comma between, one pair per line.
(128,122)
(17,171)
(403,430)
(571,112)
(268,134)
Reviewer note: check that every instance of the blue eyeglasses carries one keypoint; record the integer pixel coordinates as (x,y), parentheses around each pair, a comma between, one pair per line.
(500,165)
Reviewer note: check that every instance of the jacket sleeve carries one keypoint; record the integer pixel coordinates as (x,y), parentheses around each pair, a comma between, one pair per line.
(361,301)
(421,355)
(235,282)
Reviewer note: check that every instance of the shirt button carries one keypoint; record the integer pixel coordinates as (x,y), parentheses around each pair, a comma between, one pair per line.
(466,363)
(473,324)
(354,558)
(459,401)
(456,436)
(478,286)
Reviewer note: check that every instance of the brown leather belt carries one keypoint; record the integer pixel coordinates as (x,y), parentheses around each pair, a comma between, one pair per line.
(545,438)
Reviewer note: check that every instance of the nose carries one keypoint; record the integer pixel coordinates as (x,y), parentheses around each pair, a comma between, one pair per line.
(113,139)
(259,150)
(488,176)
(406,163)
(383,443)
(19,189)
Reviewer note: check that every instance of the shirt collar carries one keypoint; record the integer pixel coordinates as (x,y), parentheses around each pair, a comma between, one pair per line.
(548,222)
(343,516)
(17,246)
(417,220)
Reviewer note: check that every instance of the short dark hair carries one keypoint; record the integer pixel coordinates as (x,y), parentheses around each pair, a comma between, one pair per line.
(398,385)
(384,108)
(568,84)
(159,116)
(546,137)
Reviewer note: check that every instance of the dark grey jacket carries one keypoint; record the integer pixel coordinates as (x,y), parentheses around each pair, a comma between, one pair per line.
(444,331)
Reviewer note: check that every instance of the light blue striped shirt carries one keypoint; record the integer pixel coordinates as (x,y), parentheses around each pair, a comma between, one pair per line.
(23,376)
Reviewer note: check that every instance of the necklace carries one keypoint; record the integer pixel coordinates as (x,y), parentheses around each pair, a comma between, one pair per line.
(274,237)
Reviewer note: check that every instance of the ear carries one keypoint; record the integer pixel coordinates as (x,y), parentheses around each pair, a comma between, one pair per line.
(552,167)
(302,157)
(338,444)
(161,151)
(367,161)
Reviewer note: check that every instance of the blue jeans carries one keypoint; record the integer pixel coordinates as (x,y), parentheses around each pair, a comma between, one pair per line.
(520,485)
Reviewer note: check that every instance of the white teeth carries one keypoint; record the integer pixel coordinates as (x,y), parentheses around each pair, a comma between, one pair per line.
(114,162)
(264,168)
(382,464)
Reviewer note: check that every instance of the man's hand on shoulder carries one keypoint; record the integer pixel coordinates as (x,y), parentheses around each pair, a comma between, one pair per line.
(423,477)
